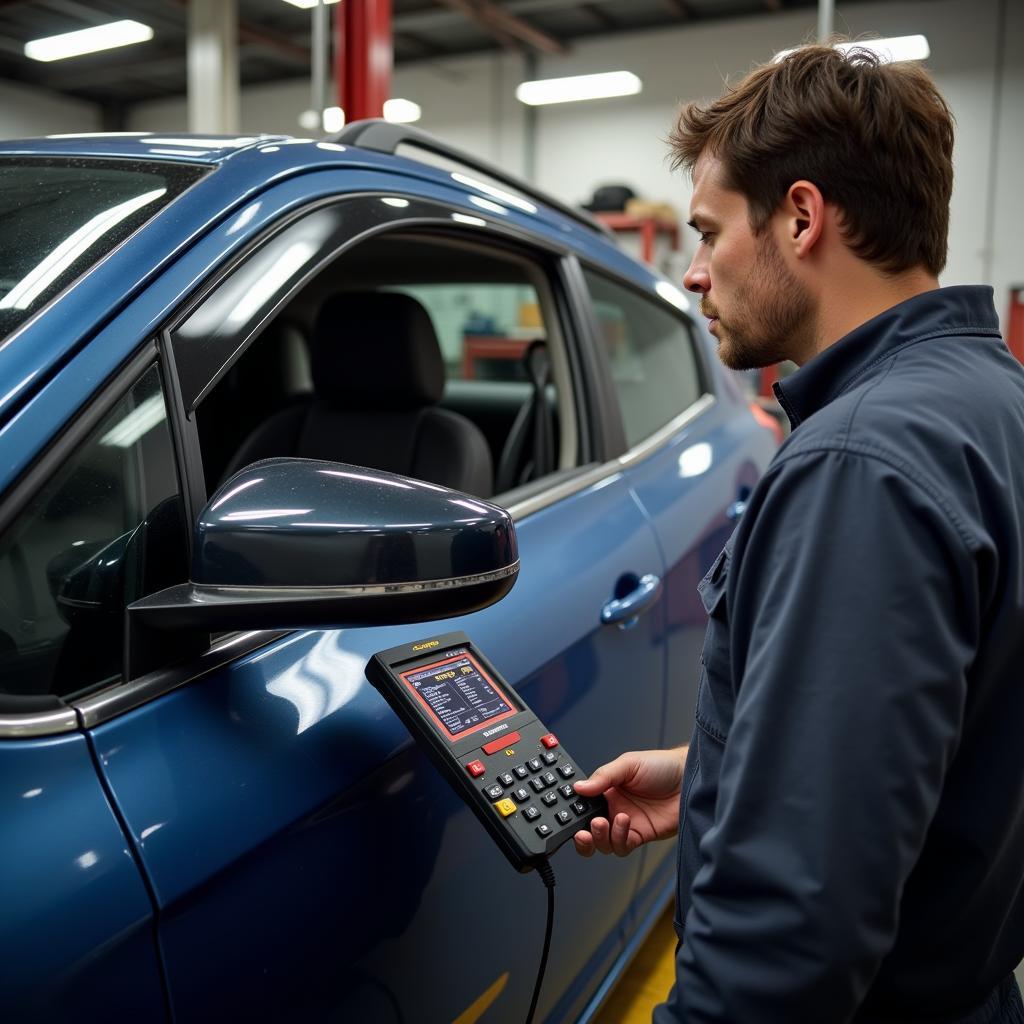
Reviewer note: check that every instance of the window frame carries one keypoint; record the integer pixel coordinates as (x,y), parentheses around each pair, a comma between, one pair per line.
(647,445)
(423,217)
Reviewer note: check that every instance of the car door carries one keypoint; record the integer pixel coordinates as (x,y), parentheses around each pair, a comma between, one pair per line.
(77,535)
(306,860)
(693,452)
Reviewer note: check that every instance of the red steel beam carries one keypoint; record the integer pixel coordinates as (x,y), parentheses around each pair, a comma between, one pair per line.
(363,57)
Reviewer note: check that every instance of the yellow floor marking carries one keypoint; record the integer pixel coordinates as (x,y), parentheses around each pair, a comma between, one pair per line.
(476,1010)
(647,979)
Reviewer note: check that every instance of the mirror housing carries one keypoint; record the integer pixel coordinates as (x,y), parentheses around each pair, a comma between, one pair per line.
(299,543)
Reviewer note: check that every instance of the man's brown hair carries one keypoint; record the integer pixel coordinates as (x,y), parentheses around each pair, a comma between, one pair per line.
(876,138)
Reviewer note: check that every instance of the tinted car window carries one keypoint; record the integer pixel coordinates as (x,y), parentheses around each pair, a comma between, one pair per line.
(58,218)
(483,329)
(651,356)
(107,529)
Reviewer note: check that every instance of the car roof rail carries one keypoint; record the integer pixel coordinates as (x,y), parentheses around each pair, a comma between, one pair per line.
(385,137)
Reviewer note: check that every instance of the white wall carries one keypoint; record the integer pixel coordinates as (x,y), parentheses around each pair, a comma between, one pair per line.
(470,101)
(26,112)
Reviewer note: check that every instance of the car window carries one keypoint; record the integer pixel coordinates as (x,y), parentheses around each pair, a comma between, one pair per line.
(59,216)
(107,529)
(483,329)
(650,353)
(321,385)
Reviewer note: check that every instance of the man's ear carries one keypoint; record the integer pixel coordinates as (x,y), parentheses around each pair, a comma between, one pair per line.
(804,213)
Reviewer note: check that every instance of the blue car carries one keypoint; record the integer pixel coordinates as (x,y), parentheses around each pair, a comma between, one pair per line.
(262,403)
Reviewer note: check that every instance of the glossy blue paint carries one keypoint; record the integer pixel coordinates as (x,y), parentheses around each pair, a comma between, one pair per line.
(76,924)
(686,488)
(304,523)
(305,791)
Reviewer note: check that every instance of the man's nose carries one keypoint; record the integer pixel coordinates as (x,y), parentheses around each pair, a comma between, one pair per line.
(697,279)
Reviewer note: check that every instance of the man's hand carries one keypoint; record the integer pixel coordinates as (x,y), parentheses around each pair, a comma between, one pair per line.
(642,789)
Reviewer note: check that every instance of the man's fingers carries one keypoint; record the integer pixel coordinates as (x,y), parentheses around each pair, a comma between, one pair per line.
(591,786)
(614,773)
(619,835)
(599,831)
(607,837)
(584,842)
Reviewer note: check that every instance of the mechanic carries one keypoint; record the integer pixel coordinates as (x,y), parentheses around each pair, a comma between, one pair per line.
(851,813)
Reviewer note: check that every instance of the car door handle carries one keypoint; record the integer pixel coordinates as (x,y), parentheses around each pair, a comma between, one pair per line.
(739,506)
(624,610)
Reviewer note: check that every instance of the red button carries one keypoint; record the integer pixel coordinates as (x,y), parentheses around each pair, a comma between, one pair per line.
(495,745)
(549,741)
(476,768)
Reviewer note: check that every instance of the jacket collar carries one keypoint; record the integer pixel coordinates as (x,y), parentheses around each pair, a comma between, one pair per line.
(959,310)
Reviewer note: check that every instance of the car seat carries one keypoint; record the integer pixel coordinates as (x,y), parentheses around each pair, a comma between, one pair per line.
(377,378)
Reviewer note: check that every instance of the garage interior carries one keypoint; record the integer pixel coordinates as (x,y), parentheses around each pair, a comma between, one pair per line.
(453,67)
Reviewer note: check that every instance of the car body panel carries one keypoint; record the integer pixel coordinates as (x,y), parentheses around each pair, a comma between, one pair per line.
(686,488)
(76,928)
(286,777)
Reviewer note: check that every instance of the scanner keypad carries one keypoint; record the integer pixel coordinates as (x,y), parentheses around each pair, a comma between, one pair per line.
(539,771)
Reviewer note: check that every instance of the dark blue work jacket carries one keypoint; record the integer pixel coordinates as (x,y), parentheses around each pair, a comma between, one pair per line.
(852,822)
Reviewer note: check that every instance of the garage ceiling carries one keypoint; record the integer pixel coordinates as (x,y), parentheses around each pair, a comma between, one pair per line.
(274,37)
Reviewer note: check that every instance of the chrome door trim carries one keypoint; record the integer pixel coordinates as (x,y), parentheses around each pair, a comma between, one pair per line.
(101,707)
(32,724)
(357,589)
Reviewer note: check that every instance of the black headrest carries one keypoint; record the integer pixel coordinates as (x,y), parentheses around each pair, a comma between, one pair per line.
(376,350)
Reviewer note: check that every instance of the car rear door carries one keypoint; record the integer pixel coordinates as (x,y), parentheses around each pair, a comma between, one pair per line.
(306,860)
(692,453)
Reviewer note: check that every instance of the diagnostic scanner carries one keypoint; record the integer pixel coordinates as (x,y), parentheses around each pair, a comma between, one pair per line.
(506,764)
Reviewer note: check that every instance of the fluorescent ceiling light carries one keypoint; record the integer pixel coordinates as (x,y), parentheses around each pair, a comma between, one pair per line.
(399,111)
(307,4)
(891,51)
(334,119)
(579,87)
(88,40)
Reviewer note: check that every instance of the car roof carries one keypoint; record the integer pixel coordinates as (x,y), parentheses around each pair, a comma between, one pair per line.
(240,167)
(209,149)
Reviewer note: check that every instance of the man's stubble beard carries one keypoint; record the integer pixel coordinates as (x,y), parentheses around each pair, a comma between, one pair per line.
(775,315)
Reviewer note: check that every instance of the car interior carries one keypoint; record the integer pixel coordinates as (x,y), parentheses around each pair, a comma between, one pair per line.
(412,353)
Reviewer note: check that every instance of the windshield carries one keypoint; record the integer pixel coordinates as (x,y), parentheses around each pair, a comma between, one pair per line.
(61,216)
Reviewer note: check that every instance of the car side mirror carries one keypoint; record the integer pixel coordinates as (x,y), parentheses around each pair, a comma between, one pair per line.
(299,543)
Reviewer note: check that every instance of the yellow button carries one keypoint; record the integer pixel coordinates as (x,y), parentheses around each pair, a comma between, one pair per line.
(505,807)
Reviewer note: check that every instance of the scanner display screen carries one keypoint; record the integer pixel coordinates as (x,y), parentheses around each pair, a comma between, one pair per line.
(458,694)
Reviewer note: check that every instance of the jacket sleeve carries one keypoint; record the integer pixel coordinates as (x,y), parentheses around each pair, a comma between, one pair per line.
(854,616)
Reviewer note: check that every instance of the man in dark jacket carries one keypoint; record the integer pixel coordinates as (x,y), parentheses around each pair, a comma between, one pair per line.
(850,808)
